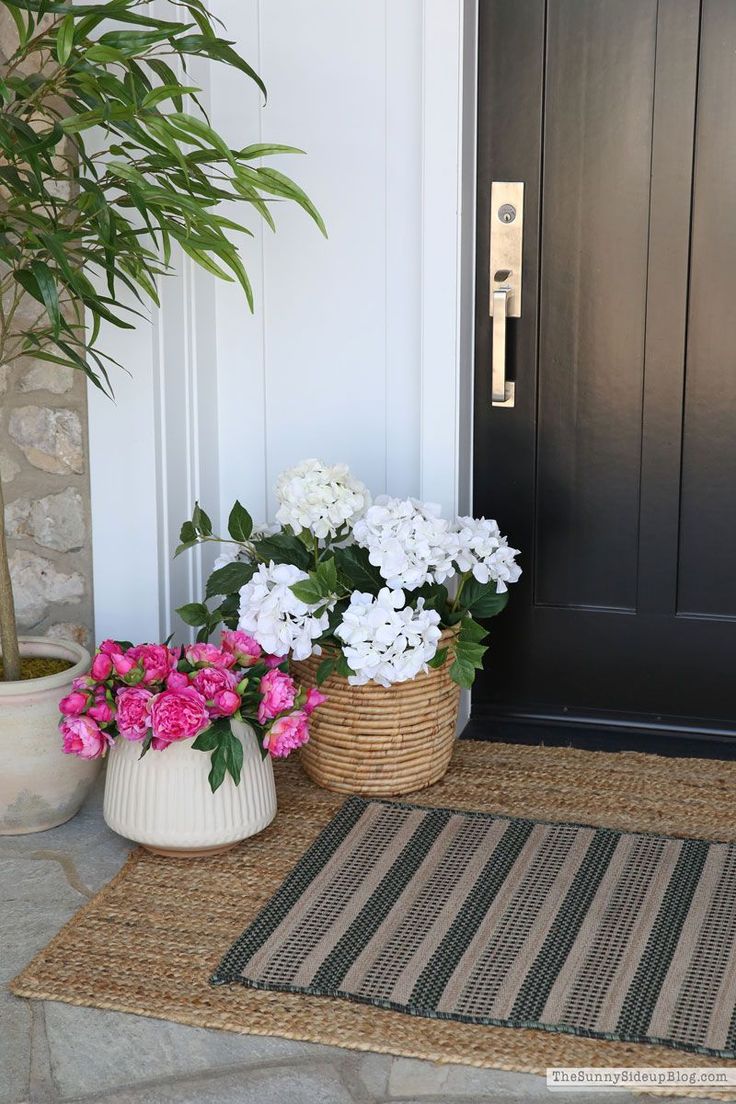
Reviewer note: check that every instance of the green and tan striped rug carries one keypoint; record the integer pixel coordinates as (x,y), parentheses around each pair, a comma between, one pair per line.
(492,920)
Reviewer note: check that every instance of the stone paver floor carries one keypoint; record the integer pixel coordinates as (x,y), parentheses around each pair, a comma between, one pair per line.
(52,1052)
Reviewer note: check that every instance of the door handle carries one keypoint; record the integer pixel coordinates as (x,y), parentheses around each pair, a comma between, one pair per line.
(502,392)
(507,226)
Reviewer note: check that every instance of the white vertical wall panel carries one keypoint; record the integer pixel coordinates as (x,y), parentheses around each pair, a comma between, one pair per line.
(353,350)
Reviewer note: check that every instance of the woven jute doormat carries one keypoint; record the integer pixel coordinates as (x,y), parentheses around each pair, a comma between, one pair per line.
(149,942)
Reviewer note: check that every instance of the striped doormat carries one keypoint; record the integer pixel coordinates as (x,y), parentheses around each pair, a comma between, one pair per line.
(492,920)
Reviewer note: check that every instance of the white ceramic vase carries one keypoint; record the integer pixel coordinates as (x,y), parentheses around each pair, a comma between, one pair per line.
(40,786)
(164,800)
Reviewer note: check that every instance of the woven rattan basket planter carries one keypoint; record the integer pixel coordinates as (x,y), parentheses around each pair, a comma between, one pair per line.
(375,740)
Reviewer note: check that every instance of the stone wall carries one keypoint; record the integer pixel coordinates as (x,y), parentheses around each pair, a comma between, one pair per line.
(43,467)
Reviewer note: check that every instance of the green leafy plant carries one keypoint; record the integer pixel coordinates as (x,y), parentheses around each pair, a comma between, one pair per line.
(107,163)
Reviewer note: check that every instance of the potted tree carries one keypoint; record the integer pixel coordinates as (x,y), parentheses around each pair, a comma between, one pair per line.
(108,167)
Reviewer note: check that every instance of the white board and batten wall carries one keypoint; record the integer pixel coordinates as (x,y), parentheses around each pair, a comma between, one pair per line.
(360,346)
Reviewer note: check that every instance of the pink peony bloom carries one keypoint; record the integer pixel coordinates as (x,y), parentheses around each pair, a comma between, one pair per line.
(177,715)
(102,711)
(208,655)
(315,698)
(101,667)
(278,693)
(226,703)
(82,682)
(122,664)
(84,737)
(158,661)
(272,661)
(244,648)
(110,647)
(73,704)
(177,680)
(133,717)
(213,680)
(287,734)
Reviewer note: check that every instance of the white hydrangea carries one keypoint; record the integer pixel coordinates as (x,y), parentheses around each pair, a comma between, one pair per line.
(385,640)
(272,614)
(408,542)
(320,498)
(482,550)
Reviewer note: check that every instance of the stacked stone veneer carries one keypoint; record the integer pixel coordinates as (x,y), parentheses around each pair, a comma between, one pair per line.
(43,451)
(43,466)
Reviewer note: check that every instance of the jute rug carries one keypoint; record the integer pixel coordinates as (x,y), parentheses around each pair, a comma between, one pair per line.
(150,940)
(491,920)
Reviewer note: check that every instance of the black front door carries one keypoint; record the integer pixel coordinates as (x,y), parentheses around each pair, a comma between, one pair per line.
(615,471)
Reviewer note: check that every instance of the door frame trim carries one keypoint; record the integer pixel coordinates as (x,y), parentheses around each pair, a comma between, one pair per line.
(447,271)
(449,139)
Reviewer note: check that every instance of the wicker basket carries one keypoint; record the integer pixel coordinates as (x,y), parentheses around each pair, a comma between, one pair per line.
(380,741)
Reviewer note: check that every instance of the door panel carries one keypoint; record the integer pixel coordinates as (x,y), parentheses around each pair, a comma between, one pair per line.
(595,214)
(615,470)
(707,570)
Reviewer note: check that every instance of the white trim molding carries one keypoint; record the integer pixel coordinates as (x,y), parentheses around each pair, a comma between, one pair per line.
(449,82)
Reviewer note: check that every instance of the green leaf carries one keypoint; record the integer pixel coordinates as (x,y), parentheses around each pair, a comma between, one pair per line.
(471,630)
(355,568)
(240,523)
(194,613)
(462,672)
(229,579)
(438,658)
(343,667)
(481,599)
(201,521)
(308,590)
(470,652)
(184,546)
(218,769)
(283,548)
(65,39)
(325,669)
(187,533)
(234,756)
(207,740)
(218,50)
(435,597)
(327,576)
(172,92)
(49,294)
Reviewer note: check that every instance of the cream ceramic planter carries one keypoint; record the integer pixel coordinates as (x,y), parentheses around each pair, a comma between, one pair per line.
(164,800)
(40,786)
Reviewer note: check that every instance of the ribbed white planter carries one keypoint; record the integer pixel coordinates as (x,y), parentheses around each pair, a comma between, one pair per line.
(164,800)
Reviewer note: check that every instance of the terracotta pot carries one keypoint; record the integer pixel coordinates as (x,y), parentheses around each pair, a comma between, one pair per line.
(40,786)
(164,800)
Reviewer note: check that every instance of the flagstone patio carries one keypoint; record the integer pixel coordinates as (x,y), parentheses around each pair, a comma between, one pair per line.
(51,1052)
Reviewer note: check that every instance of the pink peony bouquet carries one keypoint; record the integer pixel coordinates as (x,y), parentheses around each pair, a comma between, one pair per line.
(157,695)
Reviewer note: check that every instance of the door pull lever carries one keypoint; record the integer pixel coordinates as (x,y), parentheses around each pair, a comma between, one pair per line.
(502,393)
(507,221)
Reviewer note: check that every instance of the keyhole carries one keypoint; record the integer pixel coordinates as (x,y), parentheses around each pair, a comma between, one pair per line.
(507,212)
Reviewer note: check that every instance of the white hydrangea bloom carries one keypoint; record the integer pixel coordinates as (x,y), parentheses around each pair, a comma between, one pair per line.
(320,498)
(385,640)
(407,541)
(482,550)
(275,617)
